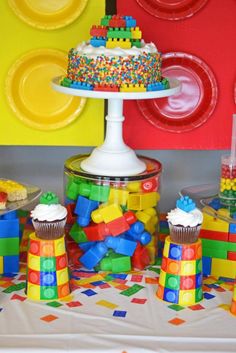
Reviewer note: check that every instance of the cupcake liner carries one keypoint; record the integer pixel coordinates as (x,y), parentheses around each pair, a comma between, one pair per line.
(184,235)
(49,230)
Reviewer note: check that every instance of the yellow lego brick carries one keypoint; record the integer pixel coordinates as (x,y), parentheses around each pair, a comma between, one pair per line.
(141,201)
(162,278)
(136,33)
(133,88)
(118,43)
(33,262)
(62,276)
(187,297)
(134,186)
(223,268)
(1,265)
(119,196)
(215,224)
(187,268)
(149,218)
(106,213)
(59,246)
(33,291)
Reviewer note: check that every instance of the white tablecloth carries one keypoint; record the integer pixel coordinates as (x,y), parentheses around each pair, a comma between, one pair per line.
(92,327)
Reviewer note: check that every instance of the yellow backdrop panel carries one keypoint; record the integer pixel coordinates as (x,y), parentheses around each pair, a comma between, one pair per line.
(33,51)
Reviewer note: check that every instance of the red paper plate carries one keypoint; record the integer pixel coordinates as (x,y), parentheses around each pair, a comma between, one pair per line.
(172,9)
(191,107)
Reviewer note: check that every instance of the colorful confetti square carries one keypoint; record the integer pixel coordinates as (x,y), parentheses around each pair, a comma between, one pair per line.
(54,304)
(49,318)
(107,304)
(120,313)
(74,304)
(196,307)
(89,292)
(176,321)
(138,301)
(176,307)
(208,296)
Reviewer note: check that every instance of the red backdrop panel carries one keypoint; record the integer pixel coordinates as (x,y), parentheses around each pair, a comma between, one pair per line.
(209,35)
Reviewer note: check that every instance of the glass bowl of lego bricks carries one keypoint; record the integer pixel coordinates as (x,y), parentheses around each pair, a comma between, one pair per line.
(113,220)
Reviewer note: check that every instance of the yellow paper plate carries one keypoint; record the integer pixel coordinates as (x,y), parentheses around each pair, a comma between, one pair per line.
(29,92)
(48,14)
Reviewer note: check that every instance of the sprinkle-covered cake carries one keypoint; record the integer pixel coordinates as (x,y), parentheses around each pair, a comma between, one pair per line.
(115,59)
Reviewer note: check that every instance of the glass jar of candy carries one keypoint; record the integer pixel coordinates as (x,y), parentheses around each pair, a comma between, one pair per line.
(113,221)
(228,183)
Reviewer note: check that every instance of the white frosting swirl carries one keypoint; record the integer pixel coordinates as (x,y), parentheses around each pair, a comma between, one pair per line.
(185,219)
(87,49)
(49,213)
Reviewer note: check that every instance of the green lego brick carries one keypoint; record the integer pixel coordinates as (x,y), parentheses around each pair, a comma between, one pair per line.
(217,244)
(164,231)
(9,246)
(105,20)
(47,264)
(22,213)
(136,43)
(99,193)
(72,190)
(85,189)
(66,82)
(119,33)
(78,234)
(217,253)
(115,263)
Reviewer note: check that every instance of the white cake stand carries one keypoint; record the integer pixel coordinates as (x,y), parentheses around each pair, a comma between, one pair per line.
(114,157)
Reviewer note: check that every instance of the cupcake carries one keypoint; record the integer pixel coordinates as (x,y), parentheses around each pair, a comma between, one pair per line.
(49,217)
(185,221)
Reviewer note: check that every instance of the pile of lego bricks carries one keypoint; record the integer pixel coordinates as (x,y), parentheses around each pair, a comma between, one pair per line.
(9,242)
(113,229)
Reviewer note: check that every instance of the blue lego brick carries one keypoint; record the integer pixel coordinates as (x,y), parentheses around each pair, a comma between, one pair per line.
(158,86)
(98,41)
(81,85)
(48,278)
(92,257)
(163,224)
(232,228)
(11,264)
(206,265)
(9,228)
(121,245)
(130,21)
(175,252)
(87,245)
(186,204)
(83,209)
(137,232)
(215,203)
(171,295)
(9,215)
(198,280)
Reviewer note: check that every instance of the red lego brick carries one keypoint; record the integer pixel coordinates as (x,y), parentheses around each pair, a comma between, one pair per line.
(98,31)
(71,217)
(232,238)
(140,258)
(96,232)
(118,226)
(213,235)
(231,255)
(130,217)
(117,21)
(106,88)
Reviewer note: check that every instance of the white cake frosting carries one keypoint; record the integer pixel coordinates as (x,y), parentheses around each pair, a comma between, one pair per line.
(185,219)
(87,49)
(49,213)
